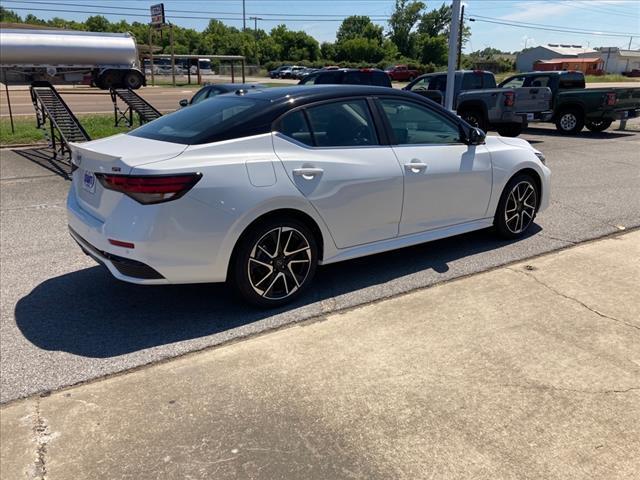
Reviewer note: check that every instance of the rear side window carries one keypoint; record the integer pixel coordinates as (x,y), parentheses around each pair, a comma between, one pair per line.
(328,78)
(295,126)
(472,81)
(204,122)
(380,79)
(310,79)
(356,78)
(342,124)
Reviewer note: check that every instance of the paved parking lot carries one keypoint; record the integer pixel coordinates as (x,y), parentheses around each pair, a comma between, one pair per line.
(65,320)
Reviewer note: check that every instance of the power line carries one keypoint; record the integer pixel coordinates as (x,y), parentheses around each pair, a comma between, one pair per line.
(67,4)
(530,24)
(563,30)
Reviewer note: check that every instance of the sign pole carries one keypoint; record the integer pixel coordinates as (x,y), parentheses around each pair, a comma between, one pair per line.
(453,53)
(6,89)
(173,58)
(153,82)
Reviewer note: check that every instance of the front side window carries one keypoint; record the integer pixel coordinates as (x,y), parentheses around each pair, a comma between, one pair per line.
(514,82)
(309,79)
(415,124)
(199,96)
(541,81)
(421,84)
(342,124)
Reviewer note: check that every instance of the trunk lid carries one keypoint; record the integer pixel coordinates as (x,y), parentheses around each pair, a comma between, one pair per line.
(113,155)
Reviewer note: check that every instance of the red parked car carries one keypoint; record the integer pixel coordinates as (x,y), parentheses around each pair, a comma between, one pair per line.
(401,73)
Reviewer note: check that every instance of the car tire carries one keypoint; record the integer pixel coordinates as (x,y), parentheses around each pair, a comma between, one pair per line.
(475,118)
(510,129)
(570,121)
(517,207)
(274,262)
(598,125)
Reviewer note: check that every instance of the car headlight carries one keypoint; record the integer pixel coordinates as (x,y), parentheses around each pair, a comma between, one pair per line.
(541,157)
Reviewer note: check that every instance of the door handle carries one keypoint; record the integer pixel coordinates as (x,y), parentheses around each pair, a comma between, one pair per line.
(307,173)
(415,167)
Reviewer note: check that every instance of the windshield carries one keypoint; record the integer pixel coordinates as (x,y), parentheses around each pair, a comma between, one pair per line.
(201,123)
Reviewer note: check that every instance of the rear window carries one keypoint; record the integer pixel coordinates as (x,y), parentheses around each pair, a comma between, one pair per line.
(327,78)
(202,123)
(572,80)
(472,81)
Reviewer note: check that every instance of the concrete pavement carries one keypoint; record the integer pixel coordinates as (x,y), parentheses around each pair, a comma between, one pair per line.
(65,320)
(530,371)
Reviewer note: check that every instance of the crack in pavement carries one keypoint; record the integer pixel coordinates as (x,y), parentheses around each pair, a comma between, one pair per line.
(583,215)
(559,389)
(575,300)
(42,436)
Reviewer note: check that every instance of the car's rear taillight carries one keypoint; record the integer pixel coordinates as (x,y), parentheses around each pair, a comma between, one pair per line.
(509,99)
(610,99)
(149,189)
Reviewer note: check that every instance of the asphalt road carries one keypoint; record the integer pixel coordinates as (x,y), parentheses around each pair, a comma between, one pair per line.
(65,320)
(165,99)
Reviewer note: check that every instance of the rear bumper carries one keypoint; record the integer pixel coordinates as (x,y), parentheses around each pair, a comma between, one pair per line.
(127,269)
(626,114)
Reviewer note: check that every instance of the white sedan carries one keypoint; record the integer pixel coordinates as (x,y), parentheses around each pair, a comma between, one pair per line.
(259,187)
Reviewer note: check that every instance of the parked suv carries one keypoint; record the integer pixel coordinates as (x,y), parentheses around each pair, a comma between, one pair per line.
(352,76)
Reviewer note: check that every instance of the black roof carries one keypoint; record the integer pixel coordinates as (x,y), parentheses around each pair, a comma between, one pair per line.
(312,93)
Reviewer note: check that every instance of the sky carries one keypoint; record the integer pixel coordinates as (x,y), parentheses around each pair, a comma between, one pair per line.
(547,20)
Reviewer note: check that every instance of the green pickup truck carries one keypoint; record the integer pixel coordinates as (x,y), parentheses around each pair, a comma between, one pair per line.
(575,106)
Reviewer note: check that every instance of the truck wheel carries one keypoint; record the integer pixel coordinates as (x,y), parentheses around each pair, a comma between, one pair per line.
(110,79)
(475,118)
(510,129)
(570,121)
(132,80)
(598,125)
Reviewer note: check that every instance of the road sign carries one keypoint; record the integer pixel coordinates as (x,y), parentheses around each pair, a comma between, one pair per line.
(157,15)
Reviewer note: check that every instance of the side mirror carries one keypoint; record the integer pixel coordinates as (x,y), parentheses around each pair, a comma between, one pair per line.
(184,102)
(476,136)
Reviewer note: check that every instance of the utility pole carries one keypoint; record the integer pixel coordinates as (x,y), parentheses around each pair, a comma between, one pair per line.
(255,24)
(451,67)
(244,18)
(460,37)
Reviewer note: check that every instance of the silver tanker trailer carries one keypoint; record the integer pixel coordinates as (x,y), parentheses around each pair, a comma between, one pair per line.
(103,59)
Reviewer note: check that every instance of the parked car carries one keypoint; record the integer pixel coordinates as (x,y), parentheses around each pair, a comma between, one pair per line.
(401,73)
(353,76)
(212,90)
(290,72)
(300,74)
(480,103)
(275,73)
(259,188)
(575,106)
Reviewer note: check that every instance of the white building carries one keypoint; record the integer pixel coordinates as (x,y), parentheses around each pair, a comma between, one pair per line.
(617,60)
(526,59)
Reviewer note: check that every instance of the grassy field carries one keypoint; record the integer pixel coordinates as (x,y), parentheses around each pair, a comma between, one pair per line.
(97,126)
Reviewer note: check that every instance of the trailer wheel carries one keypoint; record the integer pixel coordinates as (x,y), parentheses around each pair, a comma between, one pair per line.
(132,80)
(109,79)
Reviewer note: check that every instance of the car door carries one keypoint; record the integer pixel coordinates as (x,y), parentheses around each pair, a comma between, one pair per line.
(332,154)
(446,182)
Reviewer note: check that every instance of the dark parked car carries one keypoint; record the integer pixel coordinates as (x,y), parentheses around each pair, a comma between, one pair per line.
(351,76)
(212,90)
(275,73)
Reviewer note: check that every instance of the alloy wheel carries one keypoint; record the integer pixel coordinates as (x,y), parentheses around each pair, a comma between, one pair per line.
(520,208)
(568,121)
(279,263)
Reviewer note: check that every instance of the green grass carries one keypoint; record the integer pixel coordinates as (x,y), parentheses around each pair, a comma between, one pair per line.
(97,126)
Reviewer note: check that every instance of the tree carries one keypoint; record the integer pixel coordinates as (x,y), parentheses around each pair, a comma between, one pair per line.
(401,25)
(434,49)
(328,51)
(9,16)
(437,22)
(97,23)
(359,50)
(358,26)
